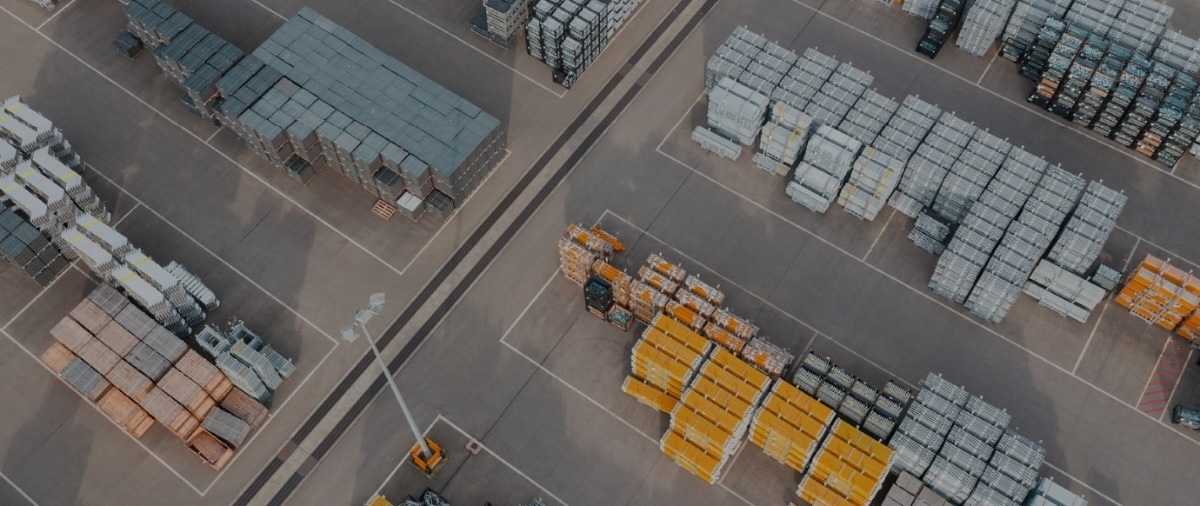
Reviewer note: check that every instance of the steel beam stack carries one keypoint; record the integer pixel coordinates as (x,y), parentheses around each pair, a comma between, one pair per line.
(869,116)
(923,9)
(284,101)
(708,425)
(872,181)
(983,23)
(28,248)
(1063,291)
(789,425)
(500,21)
(736,111)
(569,35)
(827,160)
(849,468)
(907,129)
(1091,223)
(1160,293)
(1025,22)
(927,168)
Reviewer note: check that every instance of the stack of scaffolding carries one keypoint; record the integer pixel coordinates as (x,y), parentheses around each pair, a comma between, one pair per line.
(1179,51)
(108,342)
(783,138)
(579,249)
(876,411)
(790,425)
(569,35)
(1079,244)
(249,362)
(827,160)
(708,425)
(869,116)
(923,9)
(849,468)
(929,233)
(972,172)
(804,79)
(28,248)
(933,159)
(1025,241)
(1161,294)
(1049,493)
(872,181)
(714,142)
(501,20)
(664,361)
(837,95)
(191,56)
(1025,22)
(907,128)
(907,490)
(735,111)
(960,446)
(734,55)
(767,356)
(983,23)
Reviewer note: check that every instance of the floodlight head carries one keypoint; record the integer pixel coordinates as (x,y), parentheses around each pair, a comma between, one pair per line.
(349,334)
(362,316)
(377,299)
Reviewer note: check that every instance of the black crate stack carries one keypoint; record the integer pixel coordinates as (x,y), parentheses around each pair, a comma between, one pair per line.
(29,248)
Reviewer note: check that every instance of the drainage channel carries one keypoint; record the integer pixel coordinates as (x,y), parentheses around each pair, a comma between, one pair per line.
(456,259)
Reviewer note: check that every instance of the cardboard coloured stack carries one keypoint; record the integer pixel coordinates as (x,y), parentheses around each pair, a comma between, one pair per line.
(789,425)
(663,362)
(619,283)
(849,469)
(579,249)
(710,422)
(1161,294)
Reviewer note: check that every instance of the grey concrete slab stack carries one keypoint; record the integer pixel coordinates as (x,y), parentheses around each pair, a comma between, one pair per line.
(983,23)
(315,95)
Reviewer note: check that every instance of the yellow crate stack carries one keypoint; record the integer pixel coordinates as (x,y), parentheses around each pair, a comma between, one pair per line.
(1162,294)
(850,464)
(737,326)
(580,248)
(789,425)
(664,360)
(709,424)
(724,338)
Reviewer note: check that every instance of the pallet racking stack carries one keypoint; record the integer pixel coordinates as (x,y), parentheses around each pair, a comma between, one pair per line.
(849,468)
(569,35)
(828,158)
(1161,294)
(789,425)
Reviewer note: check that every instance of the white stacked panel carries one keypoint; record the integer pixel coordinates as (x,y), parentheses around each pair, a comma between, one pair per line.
(872,181)
(735,111)
(983,23)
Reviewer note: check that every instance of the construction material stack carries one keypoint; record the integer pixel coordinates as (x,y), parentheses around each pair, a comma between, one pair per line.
(1025,22)
(137,372)
(1091,223)
(580,249)
(929,233)
(663,362)
(569,35)
(944,21)
(500,21)
(283,101)
(875,411)
(849,469)
(1161,294)
(708,425)
(767,356)
(932,160)
(28,248)
(923,9)
(908,490)
(872,181)
(782,139)
(736,111)
(870,114)
(836,96)
(789,425)
(735,54)
(960,447)
(907,129)
(983,23)
(249,362)
(1049,493)
(827,160)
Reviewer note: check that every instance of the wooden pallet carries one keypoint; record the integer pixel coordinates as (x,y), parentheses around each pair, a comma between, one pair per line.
(383,210)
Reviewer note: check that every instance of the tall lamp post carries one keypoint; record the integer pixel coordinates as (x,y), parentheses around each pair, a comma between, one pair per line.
(431,455)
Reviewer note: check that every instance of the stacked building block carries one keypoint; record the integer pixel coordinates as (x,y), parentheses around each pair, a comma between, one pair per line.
(1079,244)
(983,23)
(569,35)
(930,163)
(1161,294)
(248,361)
(1049,493)
(789,425)
(849,469)
(828,159)
(872,180)
(708,425)
(735,111)
(501,20)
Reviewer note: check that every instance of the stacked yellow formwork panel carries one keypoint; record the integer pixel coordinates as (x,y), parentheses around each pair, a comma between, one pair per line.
(685,315)
(580,248)
(1160,293)
(708,425)
(724,338)
(851,464)
(789,425)
(735,325)
(663,362)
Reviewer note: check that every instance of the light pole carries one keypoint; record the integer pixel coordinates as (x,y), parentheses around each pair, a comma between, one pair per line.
(361,317)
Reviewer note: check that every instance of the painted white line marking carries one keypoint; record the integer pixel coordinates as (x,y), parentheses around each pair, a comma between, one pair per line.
(477,50)
(36,297)
(1081,482)
(18,489)
(220,153)
(52,16)
(1152,243)
(1178,379)
(1091,334)
(214,134)
(879,235)
(986,69)
(268,9)
(1118,149)
(930,297)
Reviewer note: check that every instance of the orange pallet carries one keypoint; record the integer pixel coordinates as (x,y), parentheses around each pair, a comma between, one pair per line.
(658,280)
(649,395)
(662,266)
(724,338)
(708,292)
(56,357)
(686,316)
